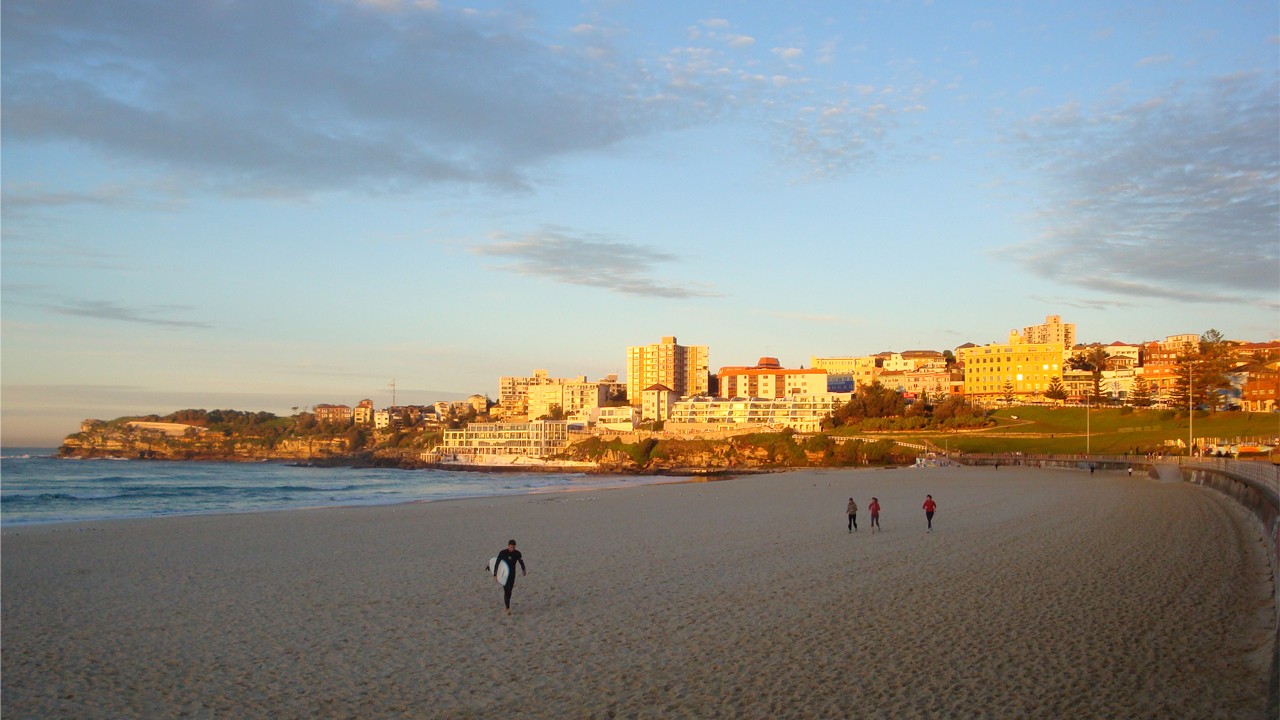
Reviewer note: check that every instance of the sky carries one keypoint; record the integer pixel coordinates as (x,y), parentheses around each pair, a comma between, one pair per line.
(270,205)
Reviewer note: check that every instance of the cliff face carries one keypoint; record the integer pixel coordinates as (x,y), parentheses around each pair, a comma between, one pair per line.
(124,442)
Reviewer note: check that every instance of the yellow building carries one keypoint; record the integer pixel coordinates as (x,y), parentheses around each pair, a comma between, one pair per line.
(863,370)
(1025,369)
(683,368)
(573,396)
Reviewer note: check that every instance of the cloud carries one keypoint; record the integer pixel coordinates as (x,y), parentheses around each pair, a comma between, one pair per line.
(294,97)
(834,139)
(1154,60)
(591,261)
(107,310)
(1174,197)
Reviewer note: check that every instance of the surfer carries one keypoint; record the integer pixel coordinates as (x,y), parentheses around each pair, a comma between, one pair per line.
(874,507)
(853,515)
(510,556)
(929,507)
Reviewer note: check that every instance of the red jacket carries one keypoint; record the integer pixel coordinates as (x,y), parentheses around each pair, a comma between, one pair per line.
(930,505)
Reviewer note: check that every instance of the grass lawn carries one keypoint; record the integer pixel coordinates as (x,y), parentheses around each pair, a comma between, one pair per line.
(1034,429)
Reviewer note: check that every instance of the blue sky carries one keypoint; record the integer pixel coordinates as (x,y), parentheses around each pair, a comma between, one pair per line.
(265,206)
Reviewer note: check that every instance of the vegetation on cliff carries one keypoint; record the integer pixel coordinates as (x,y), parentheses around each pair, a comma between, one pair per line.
(239,435)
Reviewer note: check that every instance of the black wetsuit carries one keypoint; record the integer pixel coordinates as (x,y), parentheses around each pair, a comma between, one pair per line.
(510,557)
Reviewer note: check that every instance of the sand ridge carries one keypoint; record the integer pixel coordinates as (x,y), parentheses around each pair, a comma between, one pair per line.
(1041,593)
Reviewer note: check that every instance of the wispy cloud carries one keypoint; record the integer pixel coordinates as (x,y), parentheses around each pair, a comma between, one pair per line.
(108,310)
(589,260)
(1154,60)
(292,97)
(1174,197)
(832,140)
(295,96)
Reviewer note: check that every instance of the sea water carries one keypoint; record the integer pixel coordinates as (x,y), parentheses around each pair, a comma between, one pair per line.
(38,487)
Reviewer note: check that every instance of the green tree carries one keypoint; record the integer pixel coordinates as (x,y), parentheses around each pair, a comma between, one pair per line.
(871,401)
(1214,366)
(1056,390)
(1008,391)
(1140,395)
(1094,359)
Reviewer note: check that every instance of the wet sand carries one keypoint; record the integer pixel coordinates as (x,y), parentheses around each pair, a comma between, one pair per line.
(1041,593)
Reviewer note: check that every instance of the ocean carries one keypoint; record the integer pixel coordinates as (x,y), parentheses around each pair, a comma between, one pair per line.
(36,487)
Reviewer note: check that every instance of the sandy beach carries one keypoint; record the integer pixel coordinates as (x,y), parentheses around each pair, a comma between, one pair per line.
(1040,594)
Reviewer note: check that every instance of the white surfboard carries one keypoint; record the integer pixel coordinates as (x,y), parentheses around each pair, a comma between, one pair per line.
(503,568)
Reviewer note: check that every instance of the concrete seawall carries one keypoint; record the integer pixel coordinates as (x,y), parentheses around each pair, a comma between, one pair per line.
(1258,489)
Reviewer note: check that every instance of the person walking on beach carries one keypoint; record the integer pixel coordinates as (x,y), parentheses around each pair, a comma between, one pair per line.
(510,555)
(929,507)
(853,515)
(874,508)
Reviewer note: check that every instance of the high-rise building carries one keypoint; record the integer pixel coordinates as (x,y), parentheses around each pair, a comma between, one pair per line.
(683,368)
(1053,330)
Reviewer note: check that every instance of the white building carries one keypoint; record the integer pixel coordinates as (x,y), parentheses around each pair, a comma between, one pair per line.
(802,413)
(656,402)
(621,419)
(480,441)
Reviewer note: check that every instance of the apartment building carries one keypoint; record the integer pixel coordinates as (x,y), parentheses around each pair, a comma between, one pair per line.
(656,402)
(1261,391)
(863,370)
(1052,330)
(480,441)
(573,396)
(362,414)
(682,368)
(910,360)
(326,413)
(930,382)
(768,379)
(802,413)
(622,419)
(513,391)
(1022,369)
(1162,363)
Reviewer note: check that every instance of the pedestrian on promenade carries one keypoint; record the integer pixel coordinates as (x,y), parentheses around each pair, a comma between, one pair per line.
(929,507)
(874,508)
(510,555)
(853,515)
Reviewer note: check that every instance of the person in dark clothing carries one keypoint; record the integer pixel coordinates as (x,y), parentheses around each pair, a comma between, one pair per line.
(510,556)
(852,511)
